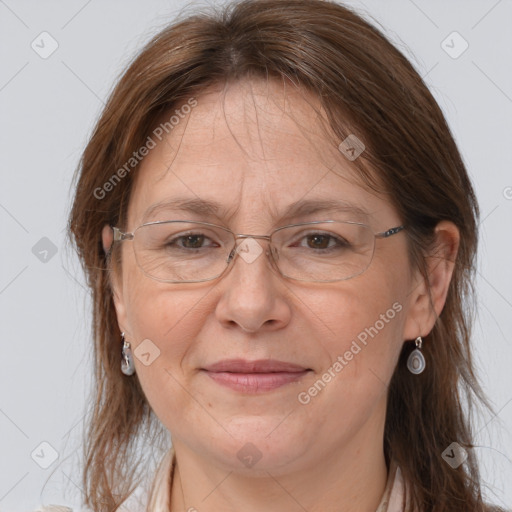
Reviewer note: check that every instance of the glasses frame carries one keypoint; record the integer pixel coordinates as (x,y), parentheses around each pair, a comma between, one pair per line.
(120,236)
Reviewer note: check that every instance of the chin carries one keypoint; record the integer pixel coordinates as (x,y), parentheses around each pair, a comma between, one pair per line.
(258,444)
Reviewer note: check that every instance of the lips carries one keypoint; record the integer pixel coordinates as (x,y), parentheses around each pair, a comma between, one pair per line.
(258,366)
(254,376)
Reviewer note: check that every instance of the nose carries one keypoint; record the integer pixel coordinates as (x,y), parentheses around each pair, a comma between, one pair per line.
(253,294)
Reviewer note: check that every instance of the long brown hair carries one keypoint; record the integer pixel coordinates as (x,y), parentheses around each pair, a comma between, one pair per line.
(366,86)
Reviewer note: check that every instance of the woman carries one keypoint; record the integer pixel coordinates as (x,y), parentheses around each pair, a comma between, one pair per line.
(279,234)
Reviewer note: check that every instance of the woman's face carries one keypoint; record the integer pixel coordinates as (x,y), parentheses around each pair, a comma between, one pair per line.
(246,153)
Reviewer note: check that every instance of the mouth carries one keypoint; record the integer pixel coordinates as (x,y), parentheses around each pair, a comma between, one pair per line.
(254,376)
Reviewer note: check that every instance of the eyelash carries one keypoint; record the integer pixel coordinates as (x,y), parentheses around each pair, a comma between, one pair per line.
(339,242)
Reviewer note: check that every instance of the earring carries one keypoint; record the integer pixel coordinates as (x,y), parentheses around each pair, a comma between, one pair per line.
(416,362)
(127,365)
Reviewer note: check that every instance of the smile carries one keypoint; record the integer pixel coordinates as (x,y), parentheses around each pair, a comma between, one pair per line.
(256,376)
(255,382)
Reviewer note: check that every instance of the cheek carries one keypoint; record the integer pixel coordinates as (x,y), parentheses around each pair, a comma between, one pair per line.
(361,325)
(170,318)
(165,325)
(360,310)
(157,311)
(163,322)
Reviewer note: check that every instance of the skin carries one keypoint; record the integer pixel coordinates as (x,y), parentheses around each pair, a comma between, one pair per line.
(256,147)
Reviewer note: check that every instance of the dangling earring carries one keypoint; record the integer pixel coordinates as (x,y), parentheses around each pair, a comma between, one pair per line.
(127,366)
(416,362)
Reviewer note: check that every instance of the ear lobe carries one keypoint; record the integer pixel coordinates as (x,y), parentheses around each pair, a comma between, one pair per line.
(119,305)
(429,296)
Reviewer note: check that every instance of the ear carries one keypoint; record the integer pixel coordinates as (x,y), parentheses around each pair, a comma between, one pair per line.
(428,297)
(107,237)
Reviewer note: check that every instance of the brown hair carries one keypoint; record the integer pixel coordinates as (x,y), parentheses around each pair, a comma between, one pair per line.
(363,82)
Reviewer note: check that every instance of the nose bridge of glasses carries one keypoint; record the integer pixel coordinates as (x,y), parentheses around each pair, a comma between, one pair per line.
(249,252)
(244,237)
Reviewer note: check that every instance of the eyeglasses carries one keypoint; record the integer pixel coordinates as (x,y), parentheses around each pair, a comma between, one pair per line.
(182,251)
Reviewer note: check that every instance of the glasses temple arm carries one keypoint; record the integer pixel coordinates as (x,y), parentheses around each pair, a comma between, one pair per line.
(119,235)
(390,232)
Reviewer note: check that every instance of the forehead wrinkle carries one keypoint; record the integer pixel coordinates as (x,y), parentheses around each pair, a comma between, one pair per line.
(244,198)
(301,105)
(296,210)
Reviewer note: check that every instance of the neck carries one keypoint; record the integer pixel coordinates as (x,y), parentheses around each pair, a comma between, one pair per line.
(348,479)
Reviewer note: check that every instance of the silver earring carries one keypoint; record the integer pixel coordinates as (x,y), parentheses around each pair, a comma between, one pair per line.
(416,362)
(127,366)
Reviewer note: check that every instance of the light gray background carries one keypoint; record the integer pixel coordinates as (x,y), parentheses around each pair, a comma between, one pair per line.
(48,107)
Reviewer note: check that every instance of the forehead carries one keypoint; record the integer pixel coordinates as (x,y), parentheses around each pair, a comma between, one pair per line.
(251,151)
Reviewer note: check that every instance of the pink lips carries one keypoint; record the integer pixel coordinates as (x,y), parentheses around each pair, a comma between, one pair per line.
(254,376)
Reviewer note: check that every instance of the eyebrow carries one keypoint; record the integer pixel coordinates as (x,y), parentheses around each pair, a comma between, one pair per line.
(295,210)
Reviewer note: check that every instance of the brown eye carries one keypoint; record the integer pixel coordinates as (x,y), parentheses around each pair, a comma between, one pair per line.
(193,241)
(318,241)
(190,241)
(324,242)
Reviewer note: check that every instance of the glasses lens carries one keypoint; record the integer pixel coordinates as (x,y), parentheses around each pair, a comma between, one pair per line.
(324,251)
(182,251)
